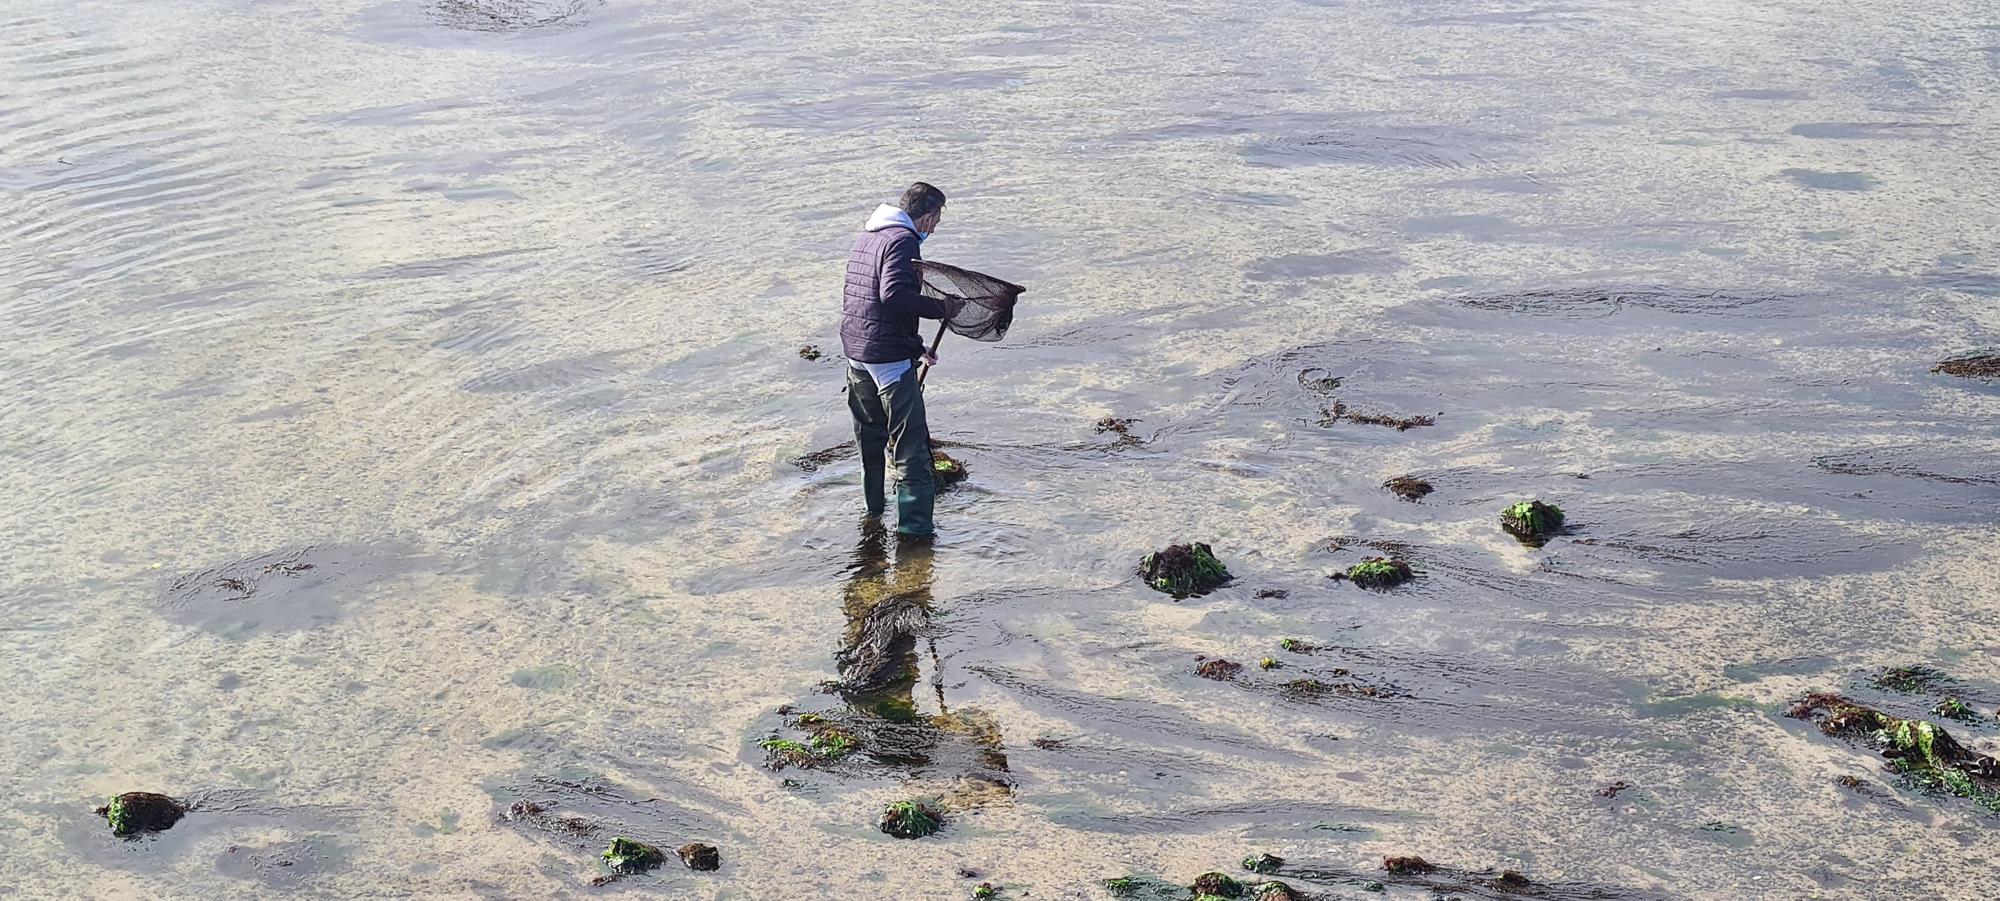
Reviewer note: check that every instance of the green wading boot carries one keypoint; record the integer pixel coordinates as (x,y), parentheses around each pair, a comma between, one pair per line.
(915,502)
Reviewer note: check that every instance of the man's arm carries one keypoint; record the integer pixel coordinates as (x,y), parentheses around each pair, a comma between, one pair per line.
(901,289)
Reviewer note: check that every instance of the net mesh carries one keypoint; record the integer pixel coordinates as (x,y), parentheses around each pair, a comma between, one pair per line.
(989,302)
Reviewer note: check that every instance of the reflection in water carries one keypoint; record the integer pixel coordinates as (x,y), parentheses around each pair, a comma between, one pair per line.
(888,607)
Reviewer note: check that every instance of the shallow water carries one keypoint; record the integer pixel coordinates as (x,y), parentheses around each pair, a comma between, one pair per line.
(401,400)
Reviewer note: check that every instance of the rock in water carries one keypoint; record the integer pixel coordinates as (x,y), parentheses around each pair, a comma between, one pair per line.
(1408,866)
(1274,891)
(628,856)
(1183,570)
(1380,572)
(701,857)
(1217,884)
(911,819)
(1408,488)
(946,469)
(135,812)
(1920,750)
(1218,669)
(1531,521)
(1263,863)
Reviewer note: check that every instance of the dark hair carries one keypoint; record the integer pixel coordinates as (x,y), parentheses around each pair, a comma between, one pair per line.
(921,199)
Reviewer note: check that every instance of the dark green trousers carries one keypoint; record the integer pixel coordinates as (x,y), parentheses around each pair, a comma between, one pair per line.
(890,429)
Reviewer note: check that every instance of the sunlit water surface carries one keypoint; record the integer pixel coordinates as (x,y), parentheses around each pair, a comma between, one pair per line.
(400,404)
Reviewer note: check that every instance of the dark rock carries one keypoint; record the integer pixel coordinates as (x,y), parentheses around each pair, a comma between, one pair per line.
(1531,521)
(703,858)
(946,469)
(911,819)
(629,856)
(1380,572)
(135,812)
(1263,863)
(1979,366)
(1612,790)
(1183,570)
(1408,488)
(1218,669)
(1217,884)
(809,353)
(1408,866)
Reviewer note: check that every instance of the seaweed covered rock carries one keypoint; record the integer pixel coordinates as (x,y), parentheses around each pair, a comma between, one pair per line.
(984,891)
(1531,521)
(946,469)
(911,819)
(1183,570)
(1922,751)
(1218,669)
(631,856)
(1273,891)
(1380,572)
(1955,709)
(1408,488)
(135,812)
(1978,366)
(1263,863)
(809,353)
(827,743)
(1143,887)
(1411,865)
(1911,679)
(700,857)
(1217,884)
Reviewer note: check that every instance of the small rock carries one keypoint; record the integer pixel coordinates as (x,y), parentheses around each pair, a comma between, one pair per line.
(628,856)
(1263,863)
(135,812)
(910,819)
(1408,866)
(1218,669)
(701,857)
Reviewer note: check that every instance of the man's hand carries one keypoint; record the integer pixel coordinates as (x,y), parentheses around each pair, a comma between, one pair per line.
(930,359)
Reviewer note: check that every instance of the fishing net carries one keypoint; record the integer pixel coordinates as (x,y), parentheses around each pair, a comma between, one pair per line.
(989,302)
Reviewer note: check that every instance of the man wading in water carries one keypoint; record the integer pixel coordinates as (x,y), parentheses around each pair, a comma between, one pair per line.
(878,330)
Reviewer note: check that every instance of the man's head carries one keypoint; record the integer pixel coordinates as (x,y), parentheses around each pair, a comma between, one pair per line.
(925,204)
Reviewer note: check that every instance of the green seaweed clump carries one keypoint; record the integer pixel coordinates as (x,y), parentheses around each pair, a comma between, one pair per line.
(911,819)
(946,469)
(1911,679)
(135,812)
(1297,646)
(628,856)
(1531,521)
(1217,884)
(809,353)
(1274,891)
(1269,663)
(1922,751)
(1955,709)
(1184,570)
(1263,863)
(1380,572)
(984,892)
(827,743)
